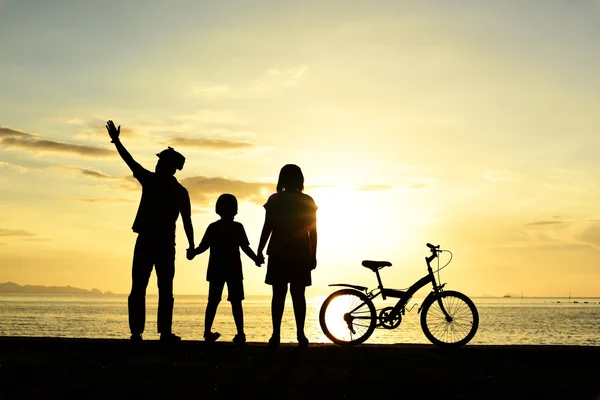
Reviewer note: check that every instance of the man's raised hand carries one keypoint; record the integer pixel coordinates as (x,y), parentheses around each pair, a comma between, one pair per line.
(113,132)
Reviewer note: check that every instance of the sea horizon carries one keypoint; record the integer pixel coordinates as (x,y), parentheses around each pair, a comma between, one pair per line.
(533,320)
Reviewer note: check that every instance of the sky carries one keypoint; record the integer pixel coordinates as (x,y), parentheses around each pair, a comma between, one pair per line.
(472,125)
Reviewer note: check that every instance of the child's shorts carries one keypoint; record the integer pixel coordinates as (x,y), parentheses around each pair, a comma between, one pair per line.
(235,290)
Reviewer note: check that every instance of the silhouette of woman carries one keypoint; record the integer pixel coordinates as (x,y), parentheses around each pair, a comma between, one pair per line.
(291,224)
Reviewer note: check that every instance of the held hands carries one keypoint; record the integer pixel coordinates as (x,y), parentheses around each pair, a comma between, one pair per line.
(260,259)
(190,253)
(113,132)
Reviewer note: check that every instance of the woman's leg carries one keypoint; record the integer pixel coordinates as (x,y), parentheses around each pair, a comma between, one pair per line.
(299,302)
(277,307)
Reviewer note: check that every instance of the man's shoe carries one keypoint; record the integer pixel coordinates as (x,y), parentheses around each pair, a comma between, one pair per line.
(239,339)
(136,338)
(211,337)
(169,337)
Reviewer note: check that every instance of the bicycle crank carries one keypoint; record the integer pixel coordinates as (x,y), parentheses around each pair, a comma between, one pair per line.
(389,319)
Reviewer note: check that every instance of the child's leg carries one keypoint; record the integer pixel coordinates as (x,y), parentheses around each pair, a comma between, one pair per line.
(215,289)
(235,295)
(211,311)
(299,303)
(277,307)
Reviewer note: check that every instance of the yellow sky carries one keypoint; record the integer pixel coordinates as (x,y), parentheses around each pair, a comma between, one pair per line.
(470,126)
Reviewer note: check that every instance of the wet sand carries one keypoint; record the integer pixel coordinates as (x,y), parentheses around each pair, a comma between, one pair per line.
(107,368)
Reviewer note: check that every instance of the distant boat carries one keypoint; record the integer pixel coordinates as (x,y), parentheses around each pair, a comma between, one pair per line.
(507,295)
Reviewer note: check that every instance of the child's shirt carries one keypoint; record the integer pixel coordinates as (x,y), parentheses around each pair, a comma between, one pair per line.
(292,215)
(224,238)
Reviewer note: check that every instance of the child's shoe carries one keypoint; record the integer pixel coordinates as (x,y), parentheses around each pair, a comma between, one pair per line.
(239,339)
(136,338)
(273,342)
(211,337)
(169,338)
(302,342)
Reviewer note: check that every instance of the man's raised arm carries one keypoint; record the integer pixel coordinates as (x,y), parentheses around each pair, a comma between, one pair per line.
(114,133)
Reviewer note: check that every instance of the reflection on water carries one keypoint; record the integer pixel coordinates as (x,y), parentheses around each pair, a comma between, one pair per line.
(502,320)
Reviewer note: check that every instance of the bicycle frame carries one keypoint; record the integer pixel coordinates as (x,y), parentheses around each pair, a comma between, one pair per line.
(404,296)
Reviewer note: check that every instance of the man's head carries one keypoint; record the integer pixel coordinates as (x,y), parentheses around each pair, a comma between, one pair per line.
(169,161)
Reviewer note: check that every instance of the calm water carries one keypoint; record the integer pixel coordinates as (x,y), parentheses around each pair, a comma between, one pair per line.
(502,320)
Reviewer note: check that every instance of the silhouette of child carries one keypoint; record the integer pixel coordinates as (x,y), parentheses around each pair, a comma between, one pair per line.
(291,229)
(224,238)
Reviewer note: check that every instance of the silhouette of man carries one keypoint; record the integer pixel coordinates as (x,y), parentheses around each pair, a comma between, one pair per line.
(163,199)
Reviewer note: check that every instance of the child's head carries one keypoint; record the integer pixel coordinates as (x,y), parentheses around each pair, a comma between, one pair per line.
(227,205)
(290,178)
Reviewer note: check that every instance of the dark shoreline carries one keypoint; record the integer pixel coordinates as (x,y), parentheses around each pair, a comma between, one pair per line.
(113,368)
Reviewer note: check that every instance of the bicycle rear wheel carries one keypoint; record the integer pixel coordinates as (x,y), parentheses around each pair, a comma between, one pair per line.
(455,331)
(347,317)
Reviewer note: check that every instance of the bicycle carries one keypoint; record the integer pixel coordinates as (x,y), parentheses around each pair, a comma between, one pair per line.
(448,318)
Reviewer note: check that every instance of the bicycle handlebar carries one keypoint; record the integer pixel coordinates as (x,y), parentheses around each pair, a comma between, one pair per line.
(434,251)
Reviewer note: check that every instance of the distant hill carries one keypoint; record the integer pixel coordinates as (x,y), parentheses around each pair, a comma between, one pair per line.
(11,287)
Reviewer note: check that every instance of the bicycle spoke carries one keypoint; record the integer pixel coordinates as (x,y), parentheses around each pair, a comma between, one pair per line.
(461,316)
(345,313)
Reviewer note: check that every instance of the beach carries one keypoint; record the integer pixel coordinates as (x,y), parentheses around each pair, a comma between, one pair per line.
(113,368)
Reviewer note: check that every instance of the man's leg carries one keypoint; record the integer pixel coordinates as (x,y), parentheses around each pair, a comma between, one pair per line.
(140,274)
(165,272)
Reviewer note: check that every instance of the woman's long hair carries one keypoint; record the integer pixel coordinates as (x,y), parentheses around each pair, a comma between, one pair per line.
(290,178)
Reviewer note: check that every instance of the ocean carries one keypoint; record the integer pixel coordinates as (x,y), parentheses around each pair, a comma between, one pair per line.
(555,321)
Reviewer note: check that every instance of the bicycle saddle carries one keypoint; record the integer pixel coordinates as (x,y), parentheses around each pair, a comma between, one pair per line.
(375,265)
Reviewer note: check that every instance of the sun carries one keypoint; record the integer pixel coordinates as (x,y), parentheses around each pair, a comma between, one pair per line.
(347,221)
(355,225)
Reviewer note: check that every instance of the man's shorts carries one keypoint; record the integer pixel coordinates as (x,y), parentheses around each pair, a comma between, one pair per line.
(235,290)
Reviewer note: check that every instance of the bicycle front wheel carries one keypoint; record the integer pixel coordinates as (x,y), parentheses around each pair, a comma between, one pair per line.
(456,328)
(347,317)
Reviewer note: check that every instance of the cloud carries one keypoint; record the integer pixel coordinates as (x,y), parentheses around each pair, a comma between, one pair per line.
(500,175)
(97,131)
(203,189)
(422,182)
(276,79)
(542,223)
(216,144)
(13,166)
(210,92)
(102,200)
(373,188)
(12,138)
(207,116)
(272,80)
(15,233)
(88,173)
(289,77)
(5,131)
(590,233)
(561,234)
